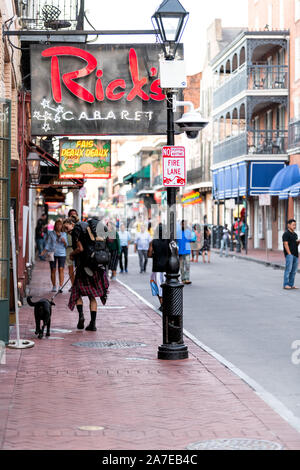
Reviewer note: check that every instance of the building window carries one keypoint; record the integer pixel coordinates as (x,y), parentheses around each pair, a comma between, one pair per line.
(297,209)
(270,16)
(281,14)
(297,58)
(297,10)
(297,107)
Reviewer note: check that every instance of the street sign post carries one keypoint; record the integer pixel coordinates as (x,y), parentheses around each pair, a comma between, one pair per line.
(174,167)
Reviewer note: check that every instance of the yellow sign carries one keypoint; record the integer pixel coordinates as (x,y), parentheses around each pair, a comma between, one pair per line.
(85,159)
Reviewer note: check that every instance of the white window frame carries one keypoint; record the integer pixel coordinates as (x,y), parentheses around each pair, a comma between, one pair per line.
(297,58)
(270,15)
(297,10)
(281,14)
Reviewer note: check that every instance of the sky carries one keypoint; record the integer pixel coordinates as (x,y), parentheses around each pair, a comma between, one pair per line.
(136,14)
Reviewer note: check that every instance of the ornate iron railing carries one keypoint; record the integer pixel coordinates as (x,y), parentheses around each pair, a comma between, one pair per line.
(253,77)
(264,141)
(51,14)
(294,134)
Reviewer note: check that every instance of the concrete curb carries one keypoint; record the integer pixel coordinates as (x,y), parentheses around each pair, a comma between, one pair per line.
(254,260)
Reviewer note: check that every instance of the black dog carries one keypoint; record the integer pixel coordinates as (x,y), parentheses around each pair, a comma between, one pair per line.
(42,312)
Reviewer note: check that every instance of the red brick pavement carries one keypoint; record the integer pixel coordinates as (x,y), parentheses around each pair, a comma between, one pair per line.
(138,402)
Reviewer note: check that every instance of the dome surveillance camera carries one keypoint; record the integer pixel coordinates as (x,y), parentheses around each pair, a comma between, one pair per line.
(191,123)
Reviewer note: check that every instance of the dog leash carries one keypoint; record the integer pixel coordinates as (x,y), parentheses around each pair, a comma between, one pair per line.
(59,290)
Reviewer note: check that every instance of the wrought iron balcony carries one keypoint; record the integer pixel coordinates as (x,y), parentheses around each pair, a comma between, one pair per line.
(51,14)
(248,78)
(294,134)
(230,148)
(262,142)
(268,141)
(194,175)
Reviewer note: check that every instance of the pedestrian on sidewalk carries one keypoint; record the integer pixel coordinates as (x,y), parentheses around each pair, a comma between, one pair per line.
(290,248)
(113,243)
(196,245)
(142,243)
(206,245)
(92,286)
(184,238)
(57,244)
(125,238)
(224,241)
(41,233)
(70,263)
(158,251)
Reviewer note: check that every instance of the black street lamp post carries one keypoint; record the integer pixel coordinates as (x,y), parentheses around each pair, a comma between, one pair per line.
(170,19)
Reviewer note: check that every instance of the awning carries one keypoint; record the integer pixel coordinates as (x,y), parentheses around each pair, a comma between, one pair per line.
(285,178)
(236,180)
(291,191)
(230,181)
(142,173)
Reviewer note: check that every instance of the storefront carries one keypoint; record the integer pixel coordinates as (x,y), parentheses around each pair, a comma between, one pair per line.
(241,184)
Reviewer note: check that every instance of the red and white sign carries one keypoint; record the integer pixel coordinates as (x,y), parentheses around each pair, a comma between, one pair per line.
(173,166)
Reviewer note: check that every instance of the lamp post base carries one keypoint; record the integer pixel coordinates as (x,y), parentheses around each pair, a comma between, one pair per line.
(173,352)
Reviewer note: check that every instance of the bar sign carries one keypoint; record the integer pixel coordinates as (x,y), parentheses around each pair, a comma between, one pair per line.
(174,166)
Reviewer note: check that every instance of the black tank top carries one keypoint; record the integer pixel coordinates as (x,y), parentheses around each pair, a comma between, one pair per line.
(160,255)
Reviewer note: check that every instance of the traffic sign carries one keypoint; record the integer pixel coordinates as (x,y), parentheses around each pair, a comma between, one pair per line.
(174,171)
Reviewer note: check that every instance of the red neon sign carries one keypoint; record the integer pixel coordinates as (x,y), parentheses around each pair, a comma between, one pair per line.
(115,90)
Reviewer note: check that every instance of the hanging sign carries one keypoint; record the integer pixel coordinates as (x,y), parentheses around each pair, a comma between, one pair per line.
(264,199)
(190,198)
(173,166)
(88,89)
(84,158)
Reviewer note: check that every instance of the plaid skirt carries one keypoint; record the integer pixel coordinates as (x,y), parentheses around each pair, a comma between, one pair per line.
(91,286)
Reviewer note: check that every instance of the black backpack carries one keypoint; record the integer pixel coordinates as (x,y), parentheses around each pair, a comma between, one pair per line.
(95,249)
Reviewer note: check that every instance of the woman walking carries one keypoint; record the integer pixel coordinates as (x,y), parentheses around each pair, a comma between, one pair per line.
(158,251)
(114,246)
(206,244)
(195,246)
(70,263)
(57,243)
(92,286)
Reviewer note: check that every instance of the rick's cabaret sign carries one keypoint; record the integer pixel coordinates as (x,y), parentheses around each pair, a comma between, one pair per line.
(97,89)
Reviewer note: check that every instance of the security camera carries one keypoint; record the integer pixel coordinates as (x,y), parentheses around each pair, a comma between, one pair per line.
(191,123)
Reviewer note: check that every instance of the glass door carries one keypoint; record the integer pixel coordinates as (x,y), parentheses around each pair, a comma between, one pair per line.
(4,218)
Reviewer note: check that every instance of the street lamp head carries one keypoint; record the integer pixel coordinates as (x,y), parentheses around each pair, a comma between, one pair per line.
(169,21)
(33,162)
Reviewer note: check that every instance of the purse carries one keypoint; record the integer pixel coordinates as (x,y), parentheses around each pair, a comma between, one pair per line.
(50,256)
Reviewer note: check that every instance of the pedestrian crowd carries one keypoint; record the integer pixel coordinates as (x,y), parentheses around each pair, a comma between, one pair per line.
(93,249)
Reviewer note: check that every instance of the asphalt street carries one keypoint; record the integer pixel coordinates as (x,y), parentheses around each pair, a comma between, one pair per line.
(240,310)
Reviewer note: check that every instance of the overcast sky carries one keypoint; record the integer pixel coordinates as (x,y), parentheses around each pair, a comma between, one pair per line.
(136,14)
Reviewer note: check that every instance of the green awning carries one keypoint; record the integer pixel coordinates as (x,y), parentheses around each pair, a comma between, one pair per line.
(143,173)
(127,178)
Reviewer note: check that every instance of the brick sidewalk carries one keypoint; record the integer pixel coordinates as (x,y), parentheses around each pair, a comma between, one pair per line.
(48,393)
(272,257)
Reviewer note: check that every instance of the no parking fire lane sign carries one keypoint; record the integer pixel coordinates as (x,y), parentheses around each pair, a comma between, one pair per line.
(174,171)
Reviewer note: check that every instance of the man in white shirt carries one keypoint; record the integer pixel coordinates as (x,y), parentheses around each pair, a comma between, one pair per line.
(142,243)
(124,242)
